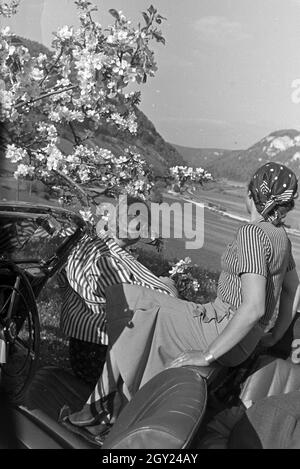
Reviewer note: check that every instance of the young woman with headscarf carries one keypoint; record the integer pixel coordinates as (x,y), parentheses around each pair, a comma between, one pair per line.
(258,273)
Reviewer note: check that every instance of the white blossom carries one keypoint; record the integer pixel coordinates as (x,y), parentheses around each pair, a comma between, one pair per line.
(24,170)
(86,214)
(15,154)
(5,32)
(183,174)
(55,158)
(180,266)
(65,32)
(36,74)
(6,101)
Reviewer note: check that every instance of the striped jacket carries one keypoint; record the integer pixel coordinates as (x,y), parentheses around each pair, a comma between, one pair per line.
(93,265)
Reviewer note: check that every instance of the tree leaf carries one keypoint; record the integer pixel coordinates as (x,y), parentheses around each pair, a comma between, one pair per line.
(152,10)
(146,17)
(114,13)
(158,37)
(161,17)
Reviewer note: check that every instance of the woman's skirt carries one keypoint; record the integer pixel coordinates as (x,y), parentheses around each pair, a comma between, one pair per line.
(147,330)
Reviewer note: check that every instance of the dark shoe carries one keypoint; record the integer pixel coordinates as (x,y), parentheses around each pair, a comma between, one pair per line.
(81,431)
(96,440)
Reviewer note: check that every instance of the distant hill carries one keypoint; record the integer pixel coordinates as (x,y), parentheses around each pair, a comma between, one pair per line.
(282,146)
(202,156)
(148,142)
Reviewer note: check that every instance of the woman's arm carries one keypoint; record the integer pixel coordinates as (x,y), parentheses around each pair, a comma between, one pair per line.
(289,301)
(107,271)
(247,315)
(170,283)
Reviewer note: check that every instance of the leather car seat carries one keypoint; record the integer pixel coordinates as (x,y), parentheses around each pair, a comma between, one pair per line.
(164,414)
(243,427)
(167,411)
(273,377)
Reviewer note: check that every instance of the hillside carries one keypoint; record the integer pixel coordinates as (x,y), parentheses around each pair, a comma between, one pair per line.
(282,146)
(148,142)
(202,156)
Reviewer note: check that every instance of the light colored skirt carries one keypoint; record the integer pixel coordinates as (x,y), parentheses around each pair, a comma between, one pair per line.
(147,329)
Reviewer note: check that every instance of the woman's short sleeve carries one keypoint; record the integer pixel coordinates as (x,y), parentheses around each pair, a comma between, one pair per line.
(252,252)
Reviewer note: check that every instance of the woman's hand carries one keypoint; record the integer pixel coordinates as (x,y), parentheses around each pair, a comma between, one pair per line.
(192,357)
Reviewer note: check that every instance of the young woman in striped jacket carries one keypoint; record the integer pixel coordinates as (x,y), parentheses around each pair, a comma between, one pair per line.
(258,275)
(96,263)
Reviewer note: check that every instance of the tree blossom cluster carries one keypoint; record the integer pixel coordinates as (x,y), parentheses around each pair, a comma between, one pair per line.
(180,266)
(184,281)
(8,9)
(79,85)
(192,283)
(184,175)
(88,167)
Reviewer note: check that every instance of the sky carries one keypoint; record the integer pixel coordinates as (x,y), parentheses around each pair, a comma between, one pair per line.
(225,74)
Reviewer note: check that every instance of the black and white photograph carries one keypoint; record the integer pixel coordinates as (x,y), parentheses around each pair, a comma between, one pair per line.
(149,227)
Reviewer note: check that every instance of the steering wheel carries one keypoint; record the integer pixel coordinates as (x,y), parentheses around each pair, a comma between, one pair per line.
(19,331)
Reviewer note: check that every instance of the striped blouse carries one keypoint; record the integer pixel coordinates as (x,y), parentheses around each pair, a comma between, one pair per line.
(93,265)
(259,248)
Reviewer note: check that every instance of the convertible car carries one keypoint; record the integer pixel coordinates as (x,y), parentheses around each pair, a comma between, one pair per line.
(180,408)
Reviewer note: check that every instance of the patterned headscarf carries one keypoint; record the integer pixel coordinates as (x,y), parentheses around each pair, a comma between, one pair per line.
(274,188)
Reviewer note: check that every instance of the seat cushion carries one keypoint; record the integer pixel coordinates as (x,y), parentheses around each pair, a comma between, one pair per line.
(273,377)
(271,423)
(165,413)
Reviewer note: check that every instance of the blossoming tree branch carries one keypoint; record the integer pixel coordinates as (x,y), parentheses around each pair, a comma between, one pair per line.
(83,82)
